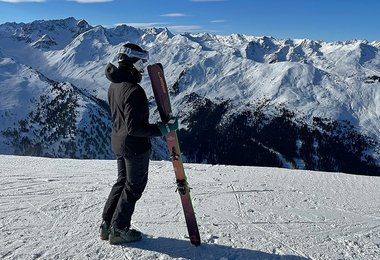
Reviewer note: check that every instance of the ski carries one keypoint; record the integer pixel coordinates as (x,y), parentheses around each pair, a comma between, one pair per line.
(160,90)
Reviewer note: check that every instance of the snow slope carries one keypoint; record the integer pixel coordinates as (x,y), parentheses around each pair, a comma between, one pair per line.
(51,209)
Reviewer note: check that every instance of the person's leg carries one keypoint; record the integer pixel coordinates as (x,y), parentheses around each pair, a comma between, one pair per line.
(137,177)
(116,191)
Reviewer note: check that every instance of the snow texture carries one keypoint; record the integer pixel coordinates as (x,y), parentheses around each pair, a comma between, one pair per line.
(51,209)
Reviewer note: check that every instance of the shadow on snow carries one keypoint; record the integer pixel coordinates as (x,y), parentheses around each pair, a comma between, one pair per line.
(183,249)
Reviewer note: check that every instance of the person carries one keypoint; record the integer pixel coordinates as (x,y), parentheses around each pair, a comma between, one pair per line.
(130,139)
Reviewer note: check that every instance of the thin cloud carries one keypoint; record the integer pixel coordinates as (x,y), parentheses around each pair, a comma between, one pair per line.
(217,21)
(22,1)
(174,15)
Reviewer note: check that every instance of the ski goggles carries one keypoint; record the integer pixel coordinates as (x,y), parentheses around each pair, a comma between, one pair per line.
(139,65)
(143,55)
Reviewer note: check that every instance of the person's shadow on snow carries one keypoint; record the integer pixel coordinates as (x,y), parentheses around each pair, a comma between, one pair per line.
(184,249)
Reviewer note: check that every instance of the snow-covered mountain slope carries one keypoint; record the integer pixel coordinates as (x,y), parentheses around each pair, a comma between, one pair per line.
(51,209)
(292,103)
(46,118)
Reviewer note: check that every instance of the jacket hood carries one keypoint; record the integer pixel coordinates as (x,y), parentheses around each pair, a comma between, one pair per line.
(122,74)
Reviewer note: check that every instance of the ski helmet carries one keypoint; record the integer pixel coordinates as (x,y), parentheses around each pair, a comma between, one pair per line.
(132,54)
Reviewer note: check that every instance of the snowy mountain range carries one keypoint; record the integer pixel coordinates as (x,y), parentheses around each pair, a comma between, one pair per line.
(241,99)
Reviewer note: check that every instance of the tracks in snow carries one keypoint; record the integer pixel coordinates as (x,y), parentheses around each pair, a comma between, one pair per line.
(243,214)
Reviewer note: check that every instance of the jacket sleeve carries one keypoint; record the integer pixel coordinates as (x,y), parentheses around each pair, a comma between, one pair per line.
(136,114)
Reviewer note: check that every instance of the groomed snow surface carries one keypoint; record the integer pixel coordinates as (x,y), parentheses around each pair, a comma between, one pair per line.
(51,209)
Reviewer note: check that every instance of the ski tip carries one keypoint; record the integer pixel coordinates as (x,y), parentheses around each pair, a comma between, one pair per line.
(156,64)
(160,65)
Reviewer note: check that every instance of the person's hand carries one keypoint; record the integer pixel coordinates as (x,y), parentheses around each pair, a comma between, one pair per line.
(171,125)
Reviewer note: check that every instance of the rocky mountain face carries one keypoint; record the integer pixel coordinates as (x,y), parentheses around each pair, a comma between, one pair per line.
(242,100)
(255,136)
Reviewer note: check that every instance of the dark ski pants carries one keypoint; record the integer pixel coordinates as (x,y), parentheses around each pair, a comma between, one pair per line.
(130,184)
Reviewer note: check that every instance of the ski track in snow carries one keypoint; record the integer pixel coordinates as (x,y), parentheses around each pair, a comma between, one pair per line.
(51,209)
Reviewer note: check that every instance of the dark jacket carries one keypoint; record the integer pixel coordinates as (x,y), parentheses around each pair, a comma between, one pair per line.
(131,130)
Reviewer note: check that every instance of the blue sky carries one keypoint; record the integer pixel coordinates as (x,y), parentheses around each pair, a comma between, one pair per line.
(327,20)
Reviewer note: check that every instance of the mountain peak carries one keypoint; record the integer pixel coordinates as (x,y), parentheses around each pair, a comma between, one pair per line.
(48,34)
(157,31)
(124,28)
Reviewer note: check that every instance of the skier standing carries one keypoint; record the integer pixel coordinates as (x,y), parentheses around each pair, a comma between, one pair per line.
(130,138)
